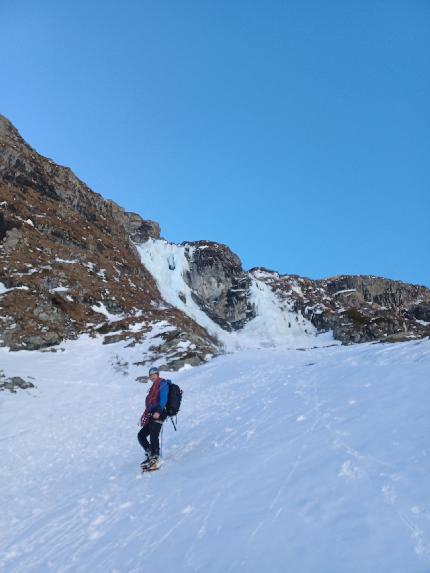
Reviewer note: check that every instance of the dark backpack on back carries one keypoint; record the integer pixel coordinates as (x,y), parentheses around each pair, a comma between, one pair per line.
(174,399)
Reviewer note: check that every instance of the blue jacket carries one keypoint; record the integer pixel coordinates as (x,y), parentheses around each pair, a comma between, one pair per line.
(163,396)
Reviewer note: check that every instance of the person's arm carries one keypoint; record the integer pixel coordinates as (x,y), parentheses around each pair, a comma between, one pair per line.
(163,396)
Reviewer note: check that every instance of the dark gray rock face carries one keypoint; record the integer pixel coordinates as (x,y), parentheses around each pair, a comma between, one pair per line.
(375,308)
(5,226)
(140,230)
(219,284)
(367,289)
(419,312)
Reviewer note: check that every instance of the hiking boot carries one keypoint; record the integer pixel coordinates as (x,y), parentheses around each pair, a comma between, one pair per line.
(146,460)
(153,463)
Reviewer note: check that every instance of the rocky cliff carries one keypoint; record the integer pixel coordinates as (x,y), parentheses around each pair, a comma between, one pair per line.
(356,308)
(219,285)
(70,263)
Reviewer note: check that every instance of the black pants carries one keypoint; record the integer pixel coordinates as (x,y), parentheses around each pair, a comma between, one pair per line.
(152,429)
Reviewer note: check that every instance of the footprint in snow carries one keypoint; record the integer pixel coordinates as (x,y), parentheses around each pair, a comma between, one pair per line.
(416,510)
(350,471)
(389,494)
(93,532)
(126,505)
(249,434)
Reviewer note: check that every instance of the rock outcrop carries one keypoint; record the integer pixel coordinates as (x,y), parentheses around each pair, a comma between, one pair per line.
(23,169)
(355,308)
(219,285)
(14,383)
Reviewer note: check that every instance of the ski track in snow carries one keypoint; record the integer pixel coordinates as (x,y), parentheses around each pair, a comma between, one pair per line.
(318,459)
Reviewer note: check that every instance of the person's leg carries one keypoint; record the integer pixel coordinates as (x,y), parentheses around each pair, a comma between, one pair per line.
(154,433)
(142,437)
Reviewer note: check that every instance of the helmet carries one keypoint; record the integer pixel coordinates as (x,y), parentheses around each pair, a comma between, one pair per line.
(153,370)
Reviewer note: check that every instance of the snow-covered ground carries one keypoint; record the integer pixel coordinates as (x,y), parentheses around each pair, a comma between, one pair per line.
(286,460)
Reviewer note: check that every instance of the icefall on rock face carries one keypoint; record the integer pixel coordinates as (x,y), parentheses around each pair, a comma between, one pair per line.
(218,294)
(72,262)
(355,308)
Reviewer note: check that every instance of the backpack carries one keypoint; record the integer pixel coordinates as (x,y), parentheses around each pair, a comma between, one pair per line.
(174,399)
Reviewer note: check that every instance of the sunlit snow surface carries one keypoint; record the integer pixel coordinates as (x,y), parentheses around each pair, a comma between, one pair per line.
(302,461)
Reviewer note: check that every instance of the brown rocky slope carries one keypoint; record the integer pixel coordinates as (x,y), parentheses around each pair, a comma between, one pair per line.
(68,264)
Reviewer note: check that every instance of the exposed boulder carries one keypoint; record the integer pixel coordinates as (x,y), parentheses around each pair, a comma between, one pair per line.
(13,383)
(140,230)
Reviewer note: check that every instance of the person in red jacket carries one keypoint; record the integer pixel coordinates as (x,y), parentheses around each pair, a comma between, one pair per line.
(152,419)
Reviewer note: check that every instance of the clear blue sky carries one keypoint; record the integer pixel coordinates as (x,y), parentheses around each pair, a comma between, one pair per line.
(297,132)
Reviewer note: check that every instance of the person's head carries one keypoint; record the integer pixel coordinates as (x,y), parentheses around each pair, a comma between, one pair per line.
(154,373)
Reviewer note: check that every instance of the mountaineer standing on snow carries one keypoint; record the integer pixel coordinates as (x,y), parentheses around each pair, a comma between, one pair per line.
(152,419)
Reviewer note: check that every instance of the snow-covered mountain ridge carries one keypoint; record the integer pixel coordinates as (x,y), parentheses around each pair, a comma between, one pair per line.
(73,263)
(200,280)
(318,459)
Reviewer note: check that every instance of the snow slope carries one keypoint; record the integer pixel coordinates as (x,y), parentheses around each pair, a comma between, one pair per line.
(306,461)
(274,325)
